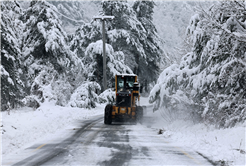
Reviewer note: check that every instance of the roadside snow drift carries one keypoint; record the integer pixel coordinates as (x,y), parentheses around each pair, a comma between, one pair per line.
(219,145)
(24,126)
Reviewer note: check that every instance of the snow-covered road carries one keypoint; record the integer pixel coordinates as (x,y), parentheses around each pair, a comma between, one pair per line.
(94,143)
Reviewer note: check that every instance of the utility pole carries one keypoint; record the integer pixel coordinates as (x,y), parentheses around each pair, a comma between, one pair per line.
(103,18)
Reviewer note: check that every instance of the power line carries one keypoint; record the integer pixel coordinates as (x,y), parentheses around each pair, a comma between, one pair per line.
(78,21)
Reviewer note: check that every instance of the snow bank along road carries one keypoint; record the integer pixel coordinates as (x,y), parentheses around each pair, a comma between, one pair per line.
(94,143)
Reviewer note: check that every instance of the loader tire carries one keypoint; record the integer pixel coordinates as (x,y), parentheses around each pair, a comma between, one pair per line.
(108,114)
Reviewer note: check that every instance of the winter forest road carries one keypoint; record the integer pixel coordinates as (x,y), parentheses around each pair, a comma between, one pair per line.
(94,143)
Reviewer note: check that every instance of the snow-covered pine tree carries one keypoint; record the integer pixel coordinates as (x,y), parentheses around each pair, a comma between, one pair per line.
(46,52)
(84,35)
(12,87)
(128,34)
(93,61)
(87,43)
(85,95)
(212,76)
(44,37)
(152,43)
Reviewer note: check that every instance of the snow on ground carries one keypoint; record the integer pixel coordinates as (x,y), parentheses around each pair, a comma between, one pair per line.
(219,145)
(24,126)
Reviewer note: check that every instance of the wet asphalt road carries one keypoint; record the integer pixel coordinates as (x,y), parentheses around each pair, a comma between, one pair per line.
(94,143)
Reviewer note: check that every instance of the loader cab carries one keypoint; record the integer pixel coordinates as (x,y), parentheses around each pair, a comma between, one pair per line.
(125,87)
(125,82)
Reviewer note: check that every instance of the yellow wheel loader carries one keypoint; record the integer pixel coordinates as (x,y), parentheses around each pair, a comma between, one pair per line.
(127,97)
